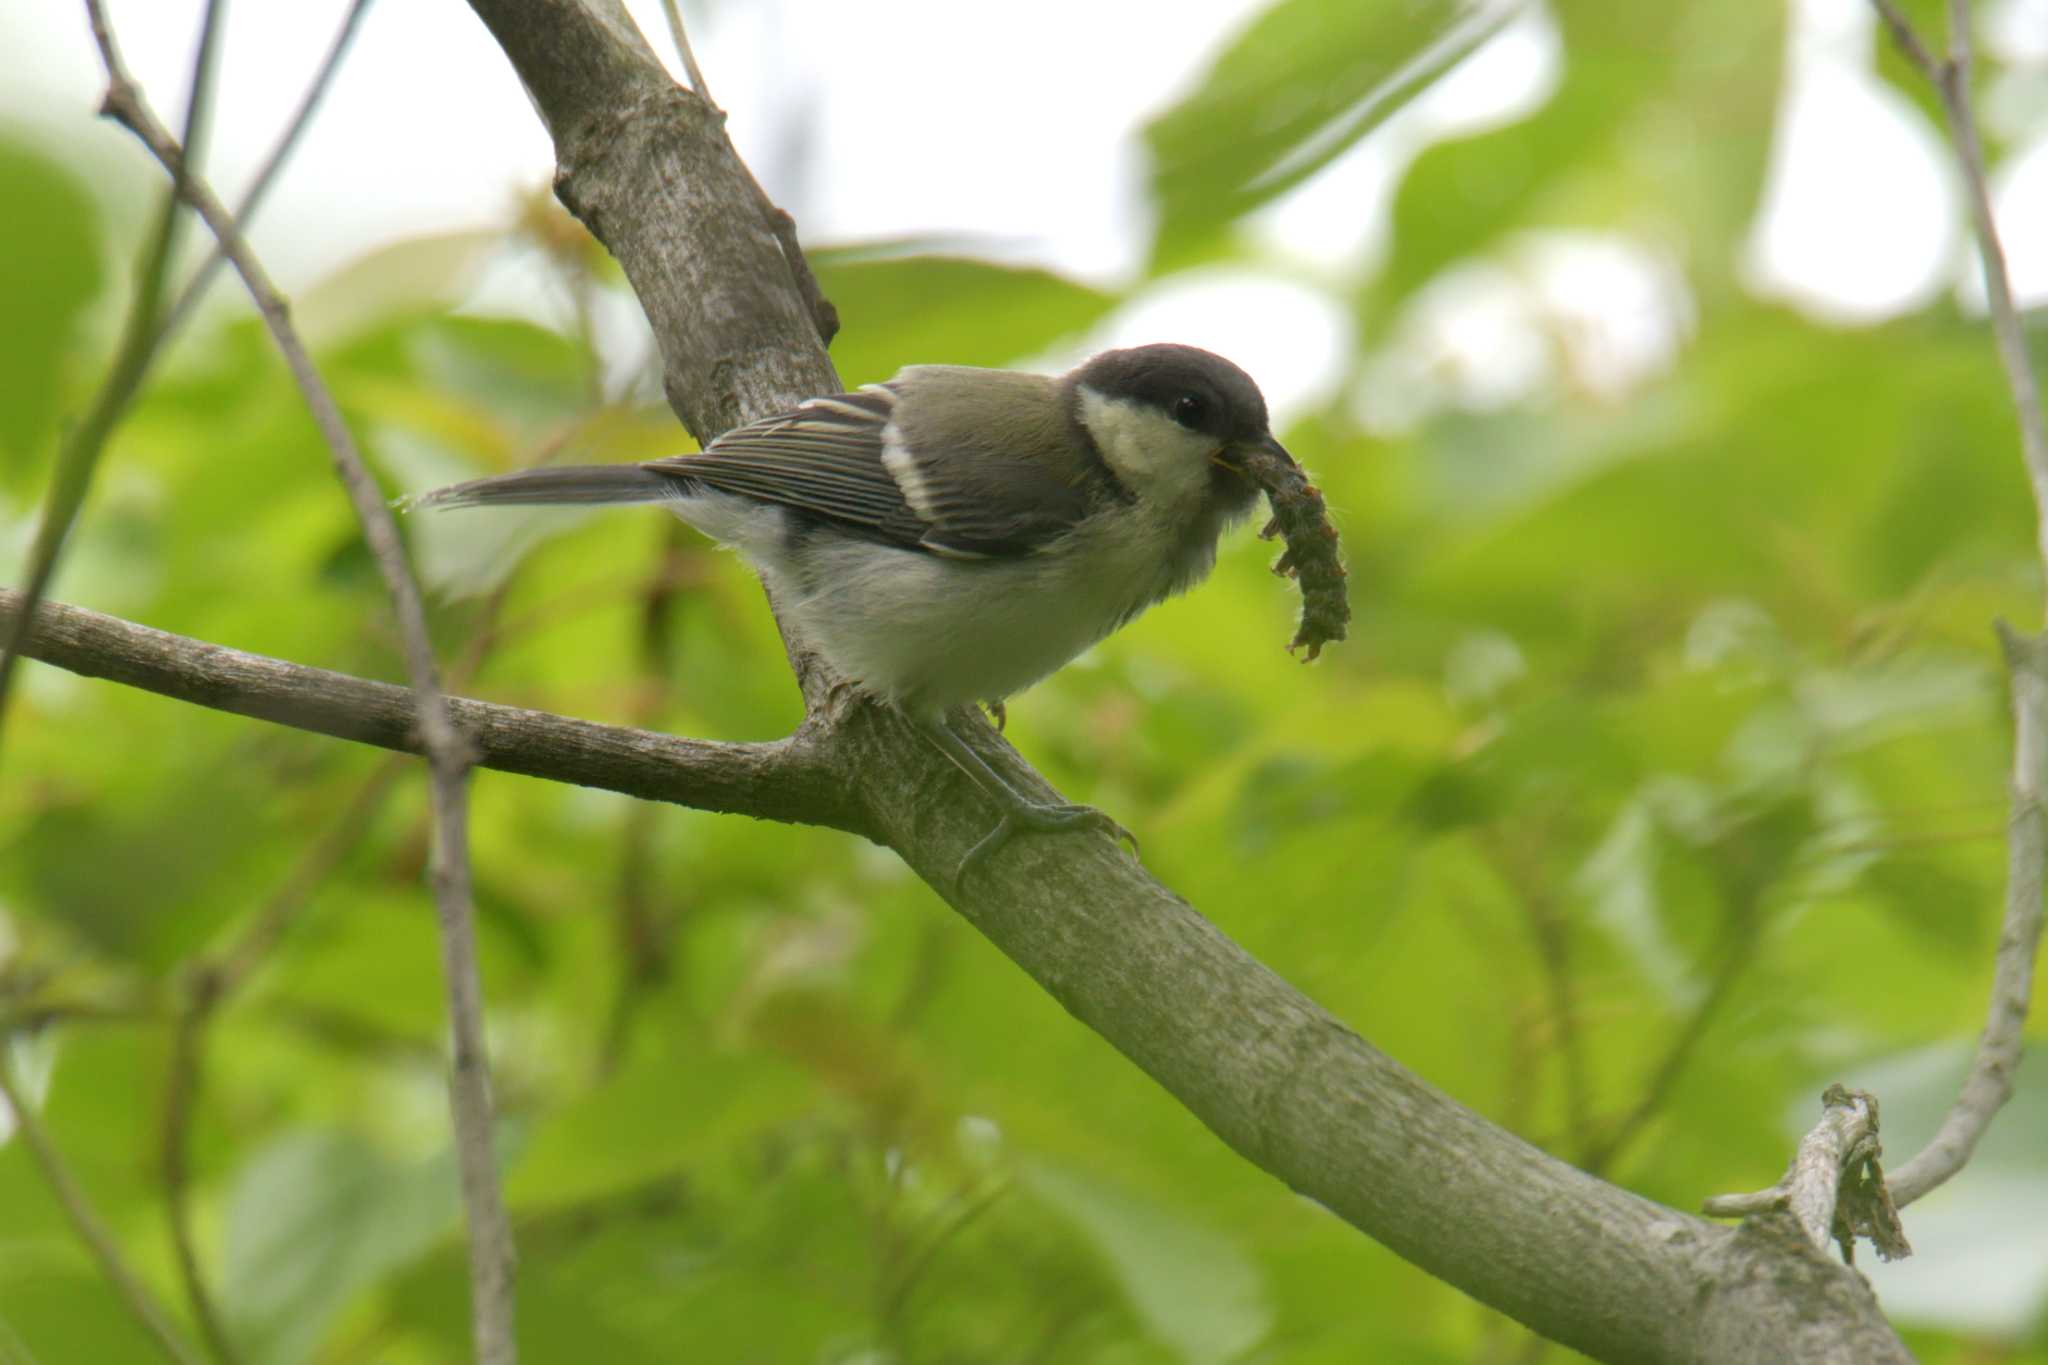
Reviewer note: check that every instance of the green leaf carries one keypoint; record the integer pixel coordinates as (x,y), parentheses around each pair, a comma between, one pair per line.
(403,277)
(1292,793)
(912,310)
(51,1313)
(49,275)
(316,1218)
(1195,1291)
(1663,120)
(1296,89)
(652,1119)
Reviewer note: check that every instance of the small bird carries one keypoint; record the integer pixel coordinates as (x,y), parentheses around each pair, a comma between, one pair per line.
(956,534)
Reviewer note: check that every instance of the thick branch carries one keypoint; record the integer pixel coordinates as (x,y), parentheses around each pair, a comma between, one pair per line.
(648,168)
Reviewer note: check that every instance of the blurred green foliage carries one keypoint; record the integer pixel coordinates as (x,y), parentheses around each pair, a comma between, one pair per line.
(1661,782)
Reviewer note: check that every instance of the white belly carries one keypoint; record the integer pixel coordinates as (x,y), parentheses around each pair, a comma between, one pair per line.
(928,633)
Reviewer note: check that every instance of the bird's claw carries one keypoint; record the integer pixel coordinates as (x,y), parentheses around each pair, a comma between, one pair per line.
(1047,819)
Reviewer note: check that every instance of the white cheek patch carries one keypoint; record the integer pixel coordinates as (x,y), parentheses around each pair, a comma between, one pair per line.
(902,467)
(1147,449)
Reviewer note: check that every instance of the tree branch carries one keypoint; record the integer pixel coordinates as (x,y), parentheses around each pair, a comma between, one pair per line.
(1989,1084)
(448,757)
(259,188)
(1990,1081)
(784,780)
(1843,1146)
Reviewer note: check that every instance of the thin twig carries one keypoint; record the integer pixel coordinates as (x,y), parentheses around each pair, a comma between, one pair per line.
(79,455)
(794,780)
(682,41)
(134,1295)
(181,1094)
(1835,1187)
(448,756)
(1989,1083)
(213,980)
(259,188)
(823,313)
(2005,316)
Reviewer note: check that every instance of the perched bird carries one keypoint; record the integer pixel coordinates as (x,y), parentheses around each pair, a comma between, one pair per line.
(956,534)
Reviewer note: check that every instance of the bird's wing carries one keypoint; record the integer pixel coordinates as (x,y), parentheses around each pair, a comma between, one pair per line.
(845,458)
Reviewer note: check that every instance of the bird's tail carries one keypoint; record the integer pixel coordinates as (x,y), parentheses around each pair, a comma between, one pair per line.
(585,484)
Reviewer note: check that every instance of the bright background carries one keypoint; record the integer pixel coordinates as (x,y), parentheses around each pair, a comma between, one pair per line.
(1660,784)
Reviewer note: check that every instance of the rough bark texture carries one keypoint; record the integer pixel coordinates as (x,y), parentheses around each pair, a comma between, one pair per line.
(647,167)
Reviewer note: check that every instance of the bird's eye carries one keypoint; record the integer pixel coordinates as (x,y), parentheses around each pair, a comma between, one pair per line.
(1189,411)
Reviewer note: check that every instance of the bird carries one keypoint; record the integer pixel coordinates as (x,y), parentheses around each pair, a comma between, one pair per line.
(955,534)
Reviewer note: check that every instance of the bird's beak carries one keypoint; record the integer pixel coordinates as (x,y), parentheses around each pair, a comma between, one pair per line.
(1233,458)
(1272,447)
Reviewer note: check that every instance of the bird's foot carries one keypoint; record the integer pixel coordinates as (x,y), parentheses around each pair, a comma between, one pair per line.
(1042,819)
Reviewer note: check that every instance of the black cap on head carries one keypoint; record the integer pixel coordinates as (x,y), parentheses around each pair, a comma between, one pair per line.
(1198,389)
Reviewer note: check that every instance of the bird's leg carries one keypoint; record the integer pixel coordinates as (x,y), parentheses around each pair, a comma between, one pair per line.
(1020,813)
(998,713)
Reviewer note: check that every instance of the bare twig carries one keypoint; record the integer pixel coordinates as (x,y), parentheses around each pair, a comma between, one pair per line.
(181,1094)
(490,1239)
(823,314)
(681,36)
(2005,316)
(134,1295)
(1842,1149)
(1989,1083)
(214,979)
(259,188)
(141,339)
(779,780)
